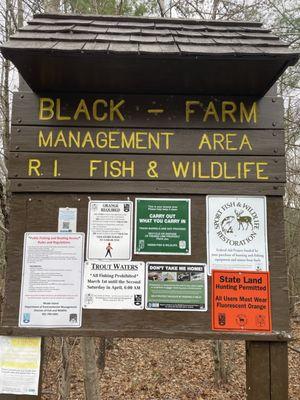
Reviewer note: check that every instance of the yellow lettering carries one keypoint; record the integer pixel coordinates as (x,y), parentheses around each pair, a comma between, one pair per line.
(189,110)
(215,165)
(58,115)
(46,108)
(45,142)
(55,169)
(229,141)
(128,144)
(180,169)
(248,116)
(33,166)
(204,142)
(219,138)
(245,142)
(93,166)
(82,109)
(167,135)
(114,109)
(230,112)
(247,169)
(96,116)
(87,139)
(226,175)
(72,138)
(260,170)
(60,138)
(211,110)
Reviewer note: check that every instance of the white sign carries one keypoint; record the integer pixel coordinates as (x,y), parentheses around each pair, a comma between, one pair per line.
(67,220)
(51,280)
(237,233)
(109,230)
(114,285)
(20,360)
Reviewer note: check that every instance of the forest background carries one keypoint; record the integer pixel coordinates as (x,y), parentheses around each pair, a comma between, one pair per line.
(283,17)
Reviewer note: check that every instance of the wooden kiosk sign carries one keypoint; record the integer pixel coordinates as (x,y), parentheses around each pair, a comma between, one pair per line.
(153,151)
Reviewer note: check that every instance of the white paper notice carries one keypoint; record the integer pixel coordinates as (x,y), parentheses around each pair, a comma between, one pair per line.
(114,285)
(237,233)
(109,230)
(67,219)
(20,360)
(51,280)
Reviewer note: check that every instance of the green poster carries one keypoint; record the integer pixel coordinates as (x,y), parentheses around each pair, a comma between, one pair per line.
(162,226)
(176,287)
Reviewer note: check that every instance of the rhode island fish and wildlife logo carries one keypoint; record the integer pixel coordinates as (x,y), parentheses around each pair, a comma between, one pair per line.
(237,223)
(237,232)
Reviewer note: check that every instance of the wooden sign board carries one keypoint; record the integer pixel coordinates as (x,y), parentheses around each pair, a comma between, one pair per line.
(67,149)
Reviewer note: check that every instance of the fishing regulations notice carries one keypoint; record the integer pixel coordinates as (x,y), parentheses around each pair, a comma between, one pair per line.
(241,301)
(51,280)
(109,230)
(20,359)
(237,233)
(176,287)
(113,285)
(162,226)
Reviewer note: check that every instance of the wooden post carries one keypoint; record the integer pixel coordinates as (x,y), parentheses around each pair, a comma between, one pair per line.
(266,371)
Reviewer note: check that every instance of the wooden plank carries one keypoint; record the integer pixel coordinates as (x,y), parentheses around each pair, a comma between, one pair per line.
(38,212)
(88,186)
(150,141)
(279,370)
(258,371)
(142,333)
(146,167)
(147,111)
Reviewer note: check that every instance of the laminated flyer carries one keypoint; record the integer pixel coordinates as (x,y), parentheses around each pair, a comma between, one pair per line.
(109,230)
(51,280)
(176,286)
(162,226)
(114,285)
(20,359)
(67,219)
(237,233)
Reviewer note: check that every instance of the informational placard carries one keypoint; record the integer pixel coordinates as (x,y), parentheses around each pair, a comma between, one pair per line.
(51,280)
(109,230)
(113,285)
(241,301)
(237,233)
(162,226)
(176,287)
(67,219)
(20,359)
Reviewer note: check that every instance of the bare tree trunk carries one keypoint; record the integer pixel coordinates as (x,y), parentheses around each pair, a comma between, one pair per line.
(64,385)
(215,9)
(162,7)
(102,351)
(88,356)
(219,362)
(20,14)
(52,6)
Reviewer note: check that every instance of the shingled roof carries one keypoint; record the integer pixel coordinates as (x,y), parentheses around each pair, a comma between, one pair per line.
(183,44)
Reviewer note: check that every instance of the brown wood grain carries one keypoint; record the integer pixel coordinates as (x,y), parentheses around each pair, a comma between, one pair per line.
(39,212)
(139,111)
(258,371)
(139,167)
(171,187)
(279,370)
(151,141)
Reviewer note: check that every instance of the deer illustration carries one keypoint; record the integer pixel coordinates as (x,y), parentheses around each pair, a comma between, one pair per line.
(244,221)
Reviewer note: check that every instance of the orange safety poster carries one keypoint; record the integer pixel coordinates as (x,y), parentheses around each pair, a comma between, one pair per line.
(241,301)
